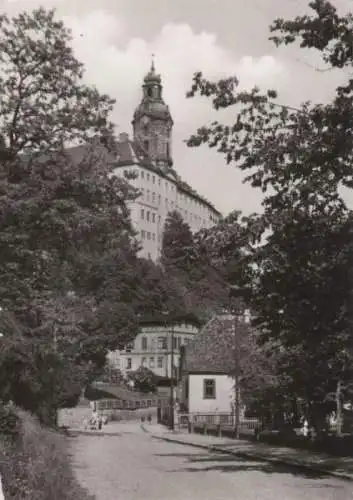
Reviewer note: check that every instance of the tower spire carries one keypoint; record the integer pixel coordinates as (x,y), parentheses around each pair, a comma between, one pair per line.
(153,69)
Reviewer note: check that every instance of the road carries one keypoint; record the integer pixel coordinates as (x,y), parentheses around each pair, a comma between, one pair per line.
(134,466)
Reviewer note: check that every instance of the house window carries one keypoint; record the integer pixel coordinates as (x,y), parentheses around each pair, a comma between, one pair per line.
(142,174)
(159,199)
(143,361)
(209,388)
(151,362)
(129,347)
(143,234)
(128,363)
(162,343)
(160,362)
(175,342)
(148,235)
(142,213)
(153,237)
(154,197)
(154,179)
(148,216)
(153,217)
(148,195)
(144,343)
(148,176)
(149,256)
(159,182)
(145,145)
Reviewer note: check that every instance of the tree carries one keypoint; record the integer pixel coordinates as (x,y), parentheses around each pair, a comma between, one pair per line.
(64,219)
(194,284)
(144,379)
(177,243)
(298,158)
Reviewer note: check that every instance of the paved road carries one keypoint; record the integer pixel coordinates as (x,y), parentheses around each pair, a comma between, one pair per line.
(134,466)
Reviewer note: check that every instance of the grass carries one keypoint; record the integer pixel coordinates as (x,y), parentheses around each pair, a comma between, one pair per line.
(34,464)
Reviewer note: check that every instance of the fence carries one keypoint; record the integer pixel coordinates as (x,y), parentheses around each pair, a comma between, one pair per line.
(222,419)
(120,404)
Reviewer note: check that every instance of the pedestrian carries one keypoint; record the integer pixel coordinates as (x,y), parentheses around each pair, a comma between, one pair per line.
(100,422)
(149,418)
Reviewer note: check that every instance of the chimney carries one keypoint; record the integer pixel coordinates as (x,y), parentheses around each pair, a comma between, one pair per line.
(123,137)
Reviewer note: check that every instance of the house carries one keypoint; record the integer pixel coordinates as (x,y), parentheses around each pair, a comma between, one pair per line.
(156,345)
(207,369)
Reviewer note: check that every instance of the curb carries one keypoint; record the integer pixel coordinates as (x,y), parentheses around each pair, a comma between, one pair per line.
(80,432)
(249,455)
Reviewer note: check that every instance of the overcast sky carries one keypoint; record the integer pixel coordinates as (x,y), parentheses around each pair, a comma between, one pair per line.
(115,40)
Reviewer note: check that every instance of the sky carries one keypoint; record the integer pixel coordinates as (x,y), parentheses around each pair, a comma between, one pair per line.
(116,38)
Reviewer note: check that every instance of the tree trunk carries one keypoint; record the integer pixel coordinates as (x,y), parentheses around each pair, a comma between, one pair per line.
(339,412)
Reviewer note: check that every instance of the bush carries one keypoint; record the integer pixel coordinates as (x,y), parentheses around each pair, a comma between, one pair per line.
(34,462)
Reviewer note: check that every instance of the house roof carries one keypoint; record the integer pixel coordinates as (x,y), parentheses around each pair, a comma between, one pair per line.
(212,350)
(161,320)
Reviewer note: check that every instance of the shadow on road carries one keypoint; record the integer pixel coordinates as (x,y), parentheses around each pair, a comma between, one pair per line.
(213,461)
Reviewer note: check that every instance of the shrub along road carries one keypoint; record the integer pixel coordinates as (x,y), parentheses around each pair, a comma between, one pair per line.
(131,465)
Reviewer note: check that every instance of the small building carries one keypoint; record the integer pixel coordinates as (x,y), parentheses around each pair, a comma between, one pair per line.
(207,369)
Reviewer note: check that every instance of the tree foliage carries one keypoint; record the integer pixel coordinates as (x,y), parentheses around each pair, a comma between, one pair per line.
(144,380)
(64,221)
(300,266)
(195,284)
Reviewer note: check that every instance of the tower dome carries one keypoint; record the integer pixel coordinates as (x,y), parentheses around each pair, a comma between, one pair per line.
(152,121)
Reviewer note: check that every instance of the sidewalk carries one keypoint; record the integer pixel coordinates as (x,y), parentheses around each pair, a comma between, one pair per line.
(341,468)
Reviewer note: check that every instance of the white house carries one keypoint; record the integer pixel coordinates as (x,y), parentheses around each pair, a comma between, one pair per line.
(207,367)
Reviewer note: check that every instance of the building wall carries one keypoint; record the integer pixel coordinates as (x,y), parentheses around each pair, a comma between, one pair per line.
(224,394)
(152,348)
(159,196)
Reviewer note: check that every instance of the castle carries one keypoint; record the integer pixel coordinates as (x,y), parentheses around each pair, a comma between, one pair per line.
(149,156)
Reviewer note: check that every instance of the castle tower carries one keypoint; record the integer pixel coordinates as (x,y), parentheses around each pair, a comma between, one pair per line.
(152,122)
